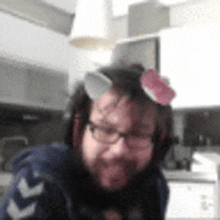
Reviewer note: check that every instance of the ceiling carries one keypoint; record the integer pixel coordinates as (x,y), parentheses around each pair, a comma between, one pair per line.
(68,6)
(50,14)
(58,15)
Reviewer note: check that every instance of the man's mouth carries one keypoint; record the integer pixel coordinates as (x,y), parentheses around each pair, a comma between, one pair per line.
(114,171)
(113,177)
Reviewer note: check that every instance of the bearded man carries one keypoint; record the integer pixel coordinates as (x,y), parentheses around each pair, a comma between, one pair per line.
(109,166)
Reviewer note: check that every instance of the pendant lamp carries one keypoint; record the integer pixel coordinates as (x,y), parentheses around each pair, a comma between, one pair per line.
(92,24)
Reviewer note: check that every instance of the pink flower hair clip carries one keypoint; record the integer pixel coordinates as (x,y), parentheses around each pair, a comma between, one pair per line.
(156,88)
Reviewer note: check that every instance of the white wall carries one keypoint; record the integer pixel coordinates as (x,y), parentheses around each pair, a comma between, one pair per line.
(120,27)
(198,12)
(190,59)
(190,53)
(79,63)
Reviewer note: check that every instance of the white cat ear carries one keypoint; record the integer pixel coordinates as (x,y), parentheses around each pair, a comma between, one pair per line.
(96,84)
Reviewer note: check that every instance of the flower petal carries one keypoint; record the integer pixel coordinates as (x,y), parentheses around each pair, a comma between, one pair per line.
(152,83)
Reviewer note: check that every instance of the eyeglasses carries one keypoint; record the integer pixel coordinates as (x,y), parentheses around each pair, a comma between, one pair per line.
(135,140)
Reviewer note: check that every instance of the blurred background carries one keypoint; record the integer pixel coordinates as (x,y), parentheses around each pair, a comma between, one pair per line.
(40,63)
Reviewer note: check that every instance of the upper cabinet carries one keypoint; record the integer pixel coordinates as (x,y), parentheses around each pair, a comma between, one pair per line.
(144,51)
(46,89)
(146,18)
(189,57)
(31,87)
(12,83)
(25,42)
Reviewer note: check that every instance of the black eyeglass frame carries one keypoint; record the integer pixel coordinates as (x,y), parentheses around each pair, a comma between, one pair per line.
(92,126)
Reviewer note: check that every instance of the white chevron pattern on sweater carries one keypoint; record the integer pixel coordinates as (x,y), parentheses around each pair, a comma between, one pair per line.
(27,192)
(16,214)
(36,174)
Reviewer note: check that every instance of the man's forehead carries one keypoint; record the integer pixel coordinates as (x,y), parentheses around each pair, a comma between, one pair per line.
(112,101)
(109,99)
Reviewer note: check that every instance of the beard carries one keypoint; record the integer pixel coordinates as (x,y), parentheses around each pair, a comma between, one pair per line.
(113,175)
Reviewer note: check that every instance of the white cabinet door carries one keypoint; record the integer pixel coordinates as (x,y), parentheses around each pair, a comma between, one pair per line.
(12,83)
(189,57)
(191,201)
(141,51)
(46,89)
(32,87)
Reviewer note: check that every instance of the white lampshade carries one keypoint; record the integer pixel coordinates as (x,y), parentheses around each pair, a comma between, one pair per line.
(92,24)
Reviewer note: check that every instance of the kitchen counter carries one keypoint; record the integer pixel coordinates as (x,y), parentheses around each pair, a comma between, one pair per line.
(5,178)
(193,195)
(205,167)
(186,176)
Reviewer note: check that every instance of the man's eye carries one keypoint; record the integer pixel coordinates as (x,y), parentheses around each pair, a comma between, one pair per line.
(108,130)
(137,133)
(141,134)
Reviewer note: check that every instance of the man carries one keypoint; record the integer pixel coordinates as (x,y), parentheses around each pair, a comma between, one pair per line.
(108,168)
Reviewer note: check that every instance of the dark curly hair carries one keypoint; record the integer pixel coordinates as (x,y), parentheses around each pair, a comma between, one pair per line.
(126,79)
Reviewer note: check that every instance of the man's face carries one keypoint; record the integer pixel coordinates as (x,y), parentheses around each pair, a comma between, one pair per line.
(113,165)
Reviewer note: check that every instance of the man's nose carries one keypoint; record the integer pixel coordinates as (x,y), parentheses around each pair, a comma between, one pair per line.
(120,148)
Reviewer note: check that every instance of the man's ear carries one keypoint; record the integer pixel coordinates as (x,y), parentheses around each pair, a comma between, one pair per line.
(79,122)
(76,126)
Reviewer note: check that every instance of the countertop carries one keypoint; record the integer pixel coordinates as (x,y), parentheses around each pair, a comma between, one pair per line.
(5,178)
(186,176)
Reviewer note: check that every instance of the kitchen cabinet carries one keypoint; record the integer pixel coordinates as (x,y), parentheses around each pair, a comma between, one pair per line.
(12,83)
(32,87)
(190,200)
(46,89)
(143,50)
(5,180)
(193,195)
(145,18)
(189,57)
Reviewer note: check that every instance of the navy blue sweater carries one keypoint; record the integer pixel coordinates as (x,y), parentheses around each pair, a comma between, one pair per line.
(50,182)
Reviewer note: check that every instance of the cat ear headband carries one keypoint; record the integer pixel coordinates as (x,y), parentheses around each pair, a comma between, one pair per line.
(96,84)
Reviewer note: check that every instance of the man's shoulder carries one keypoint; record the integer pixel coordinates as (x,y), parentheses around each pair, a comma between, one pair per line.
(53,155)
(164,193)
(39,189)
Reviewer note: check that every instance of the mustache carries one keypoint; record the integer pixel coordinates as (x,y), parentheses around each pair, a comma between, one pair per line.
(130,167)
(113,162)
